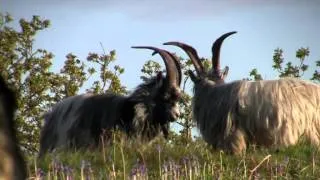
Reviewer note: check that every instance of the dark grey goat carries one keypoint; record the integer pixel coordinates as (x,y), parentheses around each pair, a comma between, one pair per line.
(12,165)
(79,121)
(232,115)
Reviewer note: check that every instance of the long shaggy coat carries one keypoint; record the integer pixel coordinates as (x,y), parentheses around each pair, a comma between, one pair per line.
(269,113)
(79,121)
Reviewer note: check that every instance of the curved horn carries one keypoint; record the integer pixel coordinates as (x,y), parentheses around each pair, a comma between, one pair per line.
(168,61)
(216,47)
(192,53)
(178,66)
(177,63)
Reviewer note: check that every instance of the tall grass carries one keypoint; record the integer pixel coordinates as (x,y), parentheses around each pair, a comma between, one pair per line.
(129,159)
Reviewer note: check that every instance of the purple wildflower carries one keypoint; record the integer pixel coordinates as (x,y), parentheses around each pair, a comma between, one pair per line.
(133,171)
(67,170)
(40,173)
(139,169)
(143,169)
(158,147)
(185,160)
(57,165)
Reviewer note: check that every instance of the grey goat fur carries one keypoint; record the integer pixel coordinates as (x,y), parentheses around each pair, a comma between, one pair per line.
(79,121)
(12,164)
(271,113)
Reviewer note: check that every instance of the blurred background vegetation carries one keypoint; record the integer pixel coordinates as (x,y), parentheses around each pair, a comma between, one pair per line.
(28,72)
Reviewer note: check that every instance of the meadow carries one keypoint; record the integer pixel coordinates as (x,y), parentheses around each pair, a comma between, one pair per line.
(176,159)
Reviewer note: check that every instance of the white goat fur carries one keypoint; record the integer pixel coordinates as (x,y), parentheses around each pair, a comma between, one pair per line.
(268,113)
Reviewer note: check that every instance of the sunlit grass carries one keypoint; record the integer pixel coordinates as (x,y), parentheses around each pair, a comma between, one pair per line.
(128,159)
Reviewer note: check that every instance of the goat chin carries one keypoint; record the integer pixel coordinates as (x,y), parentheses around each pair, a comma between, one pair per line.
(271,113)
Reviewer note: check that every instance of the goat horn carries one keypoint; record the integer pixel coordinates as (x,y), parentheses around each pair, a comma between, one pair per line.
(216,47)
(168,61)
(192,53)
(177,62)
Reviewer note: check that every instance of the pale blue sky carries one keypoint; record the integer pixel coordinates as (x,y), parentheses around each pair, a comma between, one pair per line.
(78,26)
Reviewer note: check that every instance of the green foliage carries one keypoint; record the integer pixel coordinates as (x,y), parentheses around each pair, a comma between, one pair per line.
(37,88)
(27,71)
(289,69)
(316,74)
(256,76)
(150,69)
(107,76)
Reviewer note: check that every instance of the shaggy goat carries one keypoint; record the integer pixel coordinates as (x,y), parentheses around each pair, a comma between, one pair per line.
(78,121)
(230,116)
(12,165)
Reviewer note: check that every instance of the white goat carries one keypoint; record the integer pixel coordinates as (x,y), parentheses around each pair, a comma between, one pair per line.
(233,115)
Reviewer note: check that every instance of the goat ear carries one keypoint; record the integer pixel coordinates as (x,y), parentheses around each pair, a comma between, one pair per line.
(193,77)
(225,72)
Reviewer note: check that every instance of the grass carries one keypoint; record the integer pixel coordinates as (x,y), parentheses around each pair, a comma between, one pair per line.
(126,159)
